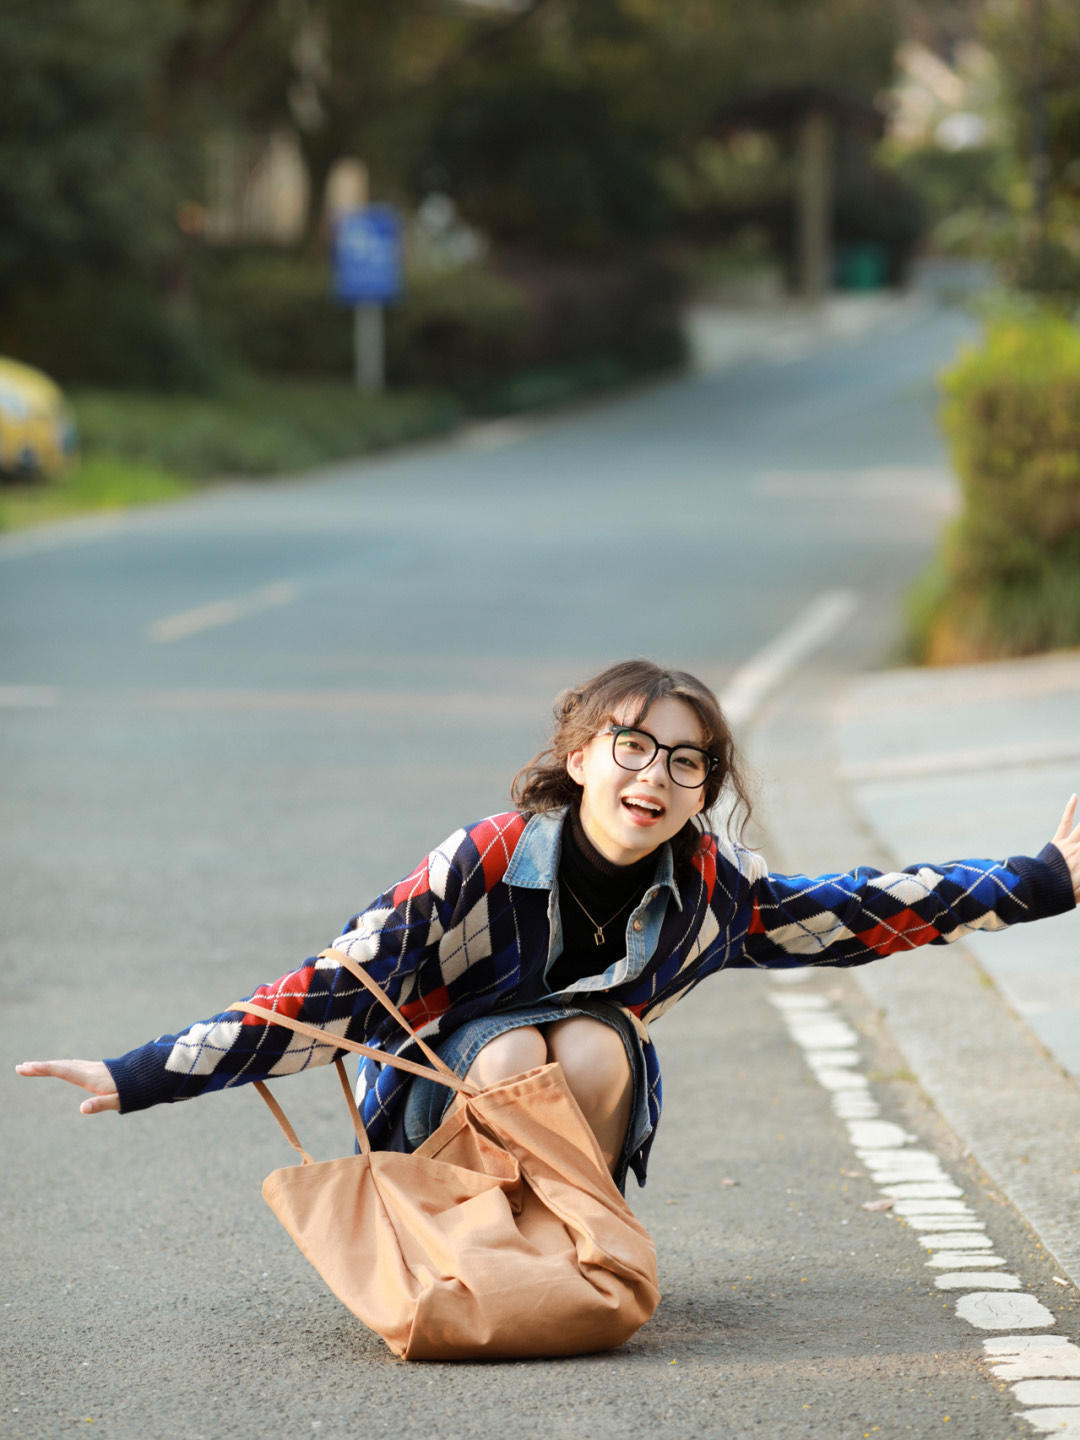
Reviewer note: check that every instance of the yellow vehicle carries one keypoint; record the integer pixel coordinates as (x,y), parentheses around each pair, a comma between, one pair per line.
(37,432)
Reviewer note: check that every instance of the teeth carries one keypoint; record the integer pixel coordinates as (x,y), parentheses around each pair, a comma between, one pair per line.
(649,805)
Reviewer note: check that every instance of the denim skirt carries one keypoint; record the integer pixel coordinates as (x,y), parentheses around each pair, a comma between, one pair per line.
(428,1101)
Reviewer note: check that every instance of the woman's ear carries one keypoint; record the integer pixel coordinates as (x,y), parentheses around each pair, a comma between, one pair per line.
(575,766)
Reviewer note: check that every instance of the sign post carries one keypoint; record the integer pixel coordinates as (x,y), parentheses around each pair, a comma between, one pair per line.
(366,275)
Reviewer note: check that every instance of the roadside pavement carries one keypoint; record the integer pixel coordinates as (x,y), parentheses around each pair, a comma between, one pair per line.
(979,755)
(981,759)
(891,767)
(721,336)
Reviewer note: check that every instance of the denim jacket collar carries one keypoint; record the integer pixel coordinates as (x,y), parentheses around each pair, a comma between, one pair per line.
(534,864)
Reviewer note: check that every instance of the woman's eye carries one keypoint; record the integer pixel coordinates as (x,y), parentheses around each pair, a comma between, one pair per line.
(692,764)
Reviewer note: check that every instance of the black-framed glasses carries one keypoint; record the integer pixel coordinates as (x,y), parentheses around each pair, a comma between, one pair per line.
(634,749)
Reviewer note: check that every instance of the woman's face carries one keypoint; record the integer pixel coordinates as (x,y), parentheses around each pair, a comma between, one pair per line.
(627,814)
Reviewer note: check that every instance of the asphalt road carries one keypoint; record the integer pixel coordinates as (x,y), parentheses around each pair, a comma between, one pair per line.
(228,723)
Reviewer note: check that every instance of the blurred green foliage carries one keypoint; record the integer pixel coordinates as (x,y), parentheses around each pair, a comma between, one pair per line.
(557,126)
(84,181)
(1008,579)
(100,483)
(258,428)
(459,329)
(1037,48)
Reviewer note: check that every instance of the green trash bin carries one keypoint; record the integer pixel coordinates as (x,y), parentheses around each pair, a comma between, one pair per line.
(862,267)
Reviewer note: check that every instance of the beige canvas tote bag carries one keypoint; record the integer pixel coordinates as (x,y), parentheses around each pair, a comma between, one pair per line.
(503,1235)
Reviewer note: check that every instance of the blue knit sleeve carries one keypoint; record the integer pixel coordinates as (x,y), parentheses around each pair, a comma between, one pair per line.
(853,918)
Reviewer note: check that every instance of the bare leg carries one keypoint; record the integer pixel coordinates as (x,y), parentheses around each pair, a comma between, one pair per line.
(597,1071)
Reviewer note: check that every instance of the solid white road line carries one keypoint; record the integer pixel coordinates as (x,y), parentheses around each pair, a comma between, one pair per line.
(753,682)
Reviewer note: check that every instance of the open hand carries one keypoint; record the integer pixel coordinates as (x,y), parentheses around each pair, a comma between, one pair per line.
(92,1075)
(1067,841)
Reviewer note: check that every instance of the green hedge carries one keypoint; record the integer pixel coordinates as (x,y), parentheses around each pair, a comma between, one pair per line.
(464,329)
(1007,581)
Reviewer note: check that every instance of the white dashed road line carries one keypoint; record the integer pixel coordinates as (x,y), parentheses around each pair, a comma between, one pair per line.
(1043,1370)
(221,612)
(28,697)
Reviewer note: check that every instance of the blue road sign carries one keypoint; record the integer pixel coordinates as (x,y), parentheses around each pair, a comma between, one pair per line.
(367,255)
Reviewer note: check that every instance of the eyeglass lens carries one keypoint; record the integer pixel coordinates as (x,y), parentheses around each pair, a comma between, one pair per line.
(636,750)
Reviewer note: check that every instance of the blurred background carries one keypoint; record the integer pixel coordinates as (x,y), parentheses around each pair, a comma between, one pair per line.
(577,181)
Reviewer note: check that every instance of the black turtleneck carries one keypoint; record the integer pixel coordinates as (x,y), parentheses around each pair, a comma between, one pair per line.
(608,892)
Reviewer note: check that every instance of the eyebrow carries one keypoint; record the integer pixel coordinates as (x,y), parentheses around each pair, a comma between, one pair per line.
(675,744)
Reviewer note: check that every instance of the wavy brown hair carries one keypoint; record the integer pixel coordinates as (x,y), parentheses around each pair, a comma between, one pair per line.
(584,710)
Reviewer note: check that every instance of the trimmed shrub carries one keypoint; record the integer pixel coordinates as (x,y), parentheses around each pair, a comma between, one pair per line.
(463,329)
(1008,579)
(273,312)
(456,328)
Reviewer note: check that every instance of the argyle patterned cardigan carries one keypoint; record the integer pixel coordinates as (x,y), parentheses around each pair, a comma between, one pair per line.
(453,941)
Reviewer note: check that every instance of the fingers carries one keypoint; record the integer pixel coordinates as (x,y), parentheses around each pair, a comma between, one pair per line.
(1067,841)
(1067,820)
(92,1075)
(98,1104)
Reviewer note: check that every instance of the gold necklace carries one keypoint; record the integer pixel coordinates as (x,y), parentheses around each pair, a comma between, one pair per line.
(598,935)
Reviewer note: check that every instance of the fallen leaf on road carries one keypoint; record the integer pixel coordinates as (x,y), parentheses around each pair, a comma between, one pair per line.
(878,1204)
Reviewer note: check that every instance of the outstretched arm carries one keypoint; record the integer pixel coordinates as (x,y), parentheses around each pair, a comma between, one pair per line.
(396,939)
(1067,840)
(853,918)
(92,1075)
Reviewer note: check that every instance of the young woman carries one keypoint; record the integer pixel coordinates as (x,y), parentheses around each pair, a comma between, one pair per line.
(563,928)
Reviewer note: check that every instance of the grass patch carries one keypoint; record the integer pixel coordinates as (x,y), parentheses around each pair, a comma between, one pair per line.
(258,428)
(142,447)
(97,483)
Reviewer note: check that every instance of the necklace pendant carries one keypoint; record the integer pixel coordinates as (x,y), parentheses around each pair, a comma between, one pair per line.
(598,938)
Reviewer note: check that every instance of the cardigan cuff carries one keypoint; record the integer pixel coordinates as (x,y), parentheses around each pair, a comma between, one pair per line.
(142,1080)
(1049,878)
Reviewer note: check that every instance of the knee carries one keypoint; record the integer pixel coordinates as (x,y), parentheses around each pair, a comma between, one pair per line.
(507,1055)
(593,1058)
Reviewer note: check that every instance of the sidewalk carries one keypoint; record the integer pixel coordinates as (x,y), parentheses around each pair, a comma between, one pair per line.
(979,759)
(784,330)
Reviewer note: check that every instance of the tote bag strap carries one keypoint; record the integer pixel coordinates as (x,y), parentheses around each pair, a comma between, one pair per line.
(438,1071)
(290,1134)
(359,973)
(443,1075)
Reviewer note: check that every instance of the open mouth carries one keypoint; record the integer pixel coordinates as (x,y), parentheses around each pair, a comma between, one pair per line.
(641,808)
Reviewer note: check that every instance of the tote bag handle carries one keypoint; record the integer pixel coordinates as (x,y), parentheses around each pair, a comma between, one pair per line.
(439,1071)
(290,1134)
(442,1074)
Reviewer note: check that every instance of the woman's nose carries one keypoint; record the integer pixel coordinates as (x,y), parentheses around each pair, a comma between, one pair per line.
(658,759)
